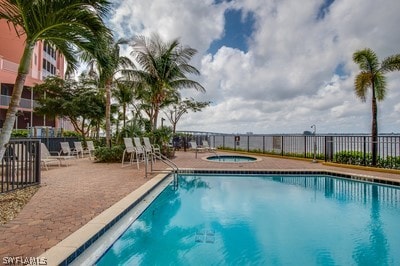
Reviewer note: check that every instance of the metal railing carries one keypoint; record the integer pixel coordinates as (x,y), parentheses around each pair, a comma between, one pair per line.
(20,166)
(24,103)
(351,149)
(165,160)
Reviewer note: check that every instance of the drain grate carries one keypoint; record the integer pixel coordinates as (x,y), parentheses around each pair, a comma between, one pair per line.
(205,236)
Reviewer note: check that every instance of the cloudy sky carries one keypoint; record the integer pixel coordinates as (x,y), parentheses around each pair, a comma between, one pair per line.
(276,66)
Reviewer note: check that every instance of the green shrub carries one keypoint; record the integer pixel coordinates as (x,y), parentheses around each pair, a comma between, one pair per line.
(19,133)
(389,162)
(357,158)
(69,133)
(353,157)
(109,155)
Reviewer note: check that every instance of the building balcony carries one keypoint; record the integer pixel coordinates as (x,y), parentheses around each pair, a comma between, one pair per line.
(26,104)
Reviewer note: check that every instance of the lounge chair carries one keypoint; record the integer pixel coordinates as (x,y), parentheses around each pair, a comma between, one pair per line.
(46,157)
(139,146)
(67,151)
(133,151)
(91,148)
(80,149)
(152,149)
(141,149)
(207,146)
(194,146)
(155,148)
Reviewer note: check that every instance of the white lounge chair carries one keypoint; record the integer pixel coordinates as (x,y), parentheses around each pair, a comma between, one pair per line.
(207,146)
(194,146)
(80,149)
(153,149)
(46,157)
(145,153)
(133,151)
(66,150)
(91,148)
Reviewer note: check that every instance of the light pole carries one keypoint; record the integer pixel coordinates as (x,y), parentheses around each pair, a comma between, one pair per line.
(315,143)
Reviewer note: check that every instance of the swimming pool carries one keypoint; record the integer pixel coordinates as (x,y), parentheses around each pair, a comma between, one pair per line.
(264,219)
(231,158)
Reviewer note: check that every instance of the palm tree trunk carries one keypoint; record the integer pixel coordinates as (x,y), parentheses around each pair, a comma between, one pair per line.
(374,144)
(108,114)
(23,71)
(155,118)
(124,115)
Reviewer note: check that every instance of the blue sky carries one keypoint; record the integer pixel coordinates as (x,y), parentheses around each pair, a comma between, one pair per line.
(238,29)
(276,66)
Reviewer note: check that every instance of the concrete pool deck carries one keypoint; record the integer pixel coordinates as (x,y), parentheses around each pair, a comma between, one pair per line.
(70,197)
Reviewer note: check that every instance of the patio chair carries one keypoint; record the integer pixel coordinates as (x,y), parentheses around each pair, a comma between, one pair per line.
(91,148)
(67,151)
(207,146)
(80,149)
(133,151)
(141,149)
(155,149)
(152,150)
(46,157)
(194,146)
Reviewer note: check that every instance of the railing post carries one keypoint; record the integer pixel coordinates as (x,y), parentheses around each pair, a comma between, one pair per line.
(282,145)
(305,146)
(364,151)
(263,150)
(38,161)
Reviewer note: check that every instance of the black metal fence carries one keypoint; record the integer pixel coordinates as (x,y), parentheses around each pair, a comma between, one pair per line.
(348,149)
(20,166)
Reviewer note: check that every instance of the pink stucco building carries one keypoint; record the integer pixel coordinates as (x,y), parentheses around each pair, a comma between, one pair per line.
(45,61)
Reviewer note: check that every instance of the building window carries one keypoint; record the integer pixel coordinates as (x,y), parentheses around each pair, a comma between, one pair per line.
(49,67)
(49,50)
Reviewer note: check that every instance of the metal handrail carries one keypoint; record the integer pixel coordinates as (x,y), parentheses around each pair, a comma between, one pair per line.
(166,161)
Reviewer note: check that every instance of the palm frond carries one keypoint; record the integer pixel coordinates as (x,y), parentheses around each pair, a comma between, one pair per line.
(391,63)
(367,60)
(380,86)
(361,84)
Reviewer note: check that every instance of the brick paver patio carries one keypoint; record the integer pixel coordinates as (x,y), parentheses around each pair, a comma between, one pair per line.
(71,196)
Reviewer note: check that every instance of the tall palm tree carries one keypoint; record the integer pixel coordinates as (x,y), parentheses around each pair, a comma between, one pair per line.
(162,71)
(109,64)
(67,25)
(372,76)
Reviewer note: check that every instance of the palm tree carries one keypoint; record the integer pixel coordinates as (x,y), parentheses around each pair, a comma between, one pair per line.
(372,76)
(162,72)
(67,25)
(109,63)
(124,94)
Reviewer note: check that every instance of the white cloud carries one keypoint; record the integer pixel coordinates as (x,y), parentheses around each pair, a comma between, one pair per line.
(286,81)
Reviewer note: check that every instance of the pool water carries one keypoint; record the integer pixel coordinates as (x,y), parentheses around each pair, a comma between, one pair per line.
(264,220)
(231,158)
